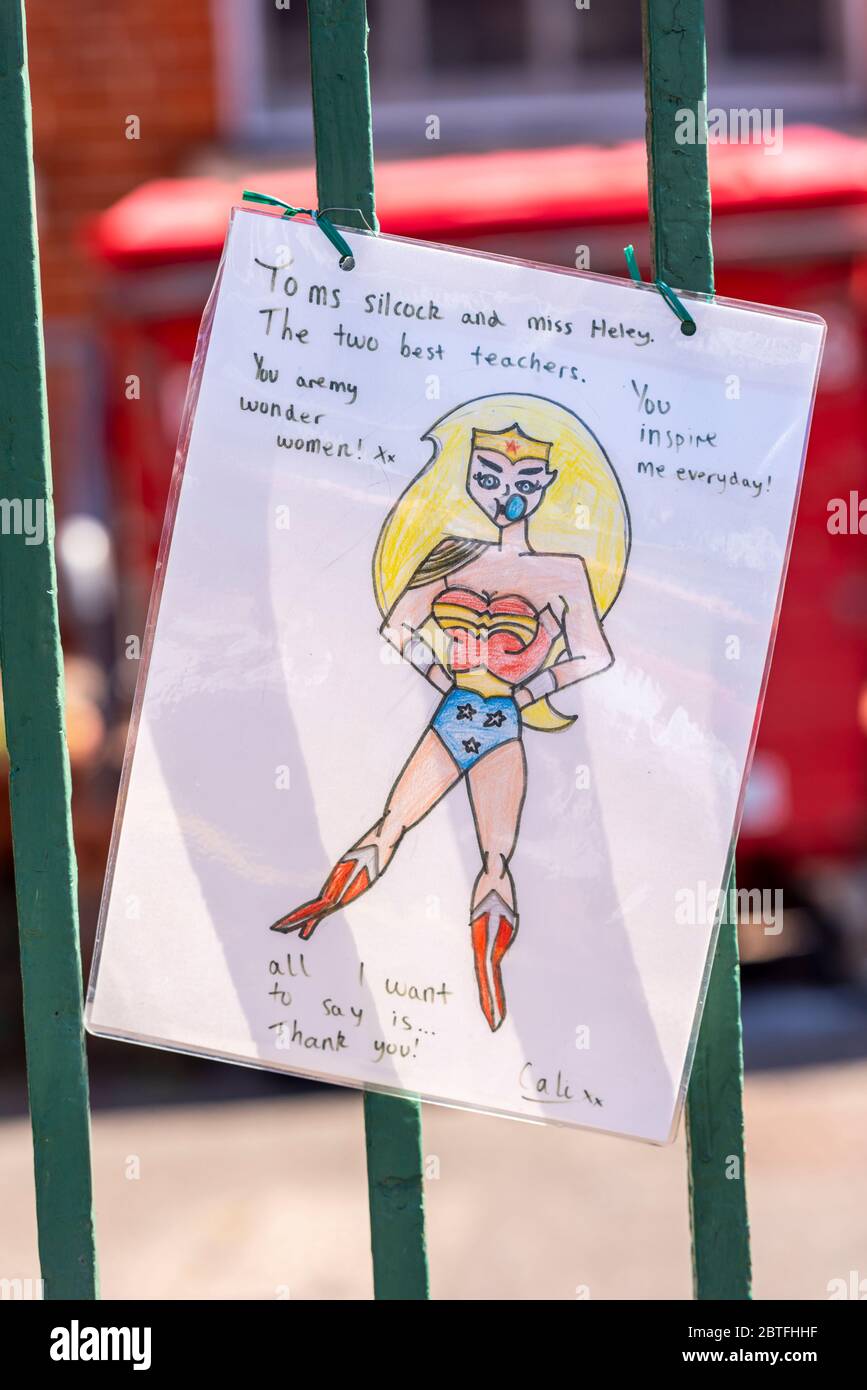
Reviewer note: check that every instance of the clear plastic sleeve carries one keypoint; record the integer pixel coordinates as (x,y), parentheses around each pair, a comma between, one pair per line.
(452,674)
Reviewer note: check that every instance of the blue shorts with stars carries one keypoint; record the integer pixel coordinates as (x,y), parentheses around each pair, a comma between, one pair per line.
(471,725)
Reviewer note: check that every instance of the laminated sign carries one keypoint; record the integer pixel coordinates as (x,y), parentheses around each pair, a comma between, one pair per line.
(451,677)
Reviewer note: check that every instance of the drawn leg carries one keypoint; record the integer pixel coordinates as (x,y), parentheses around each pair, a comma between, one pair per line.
(497,785)
(427,775)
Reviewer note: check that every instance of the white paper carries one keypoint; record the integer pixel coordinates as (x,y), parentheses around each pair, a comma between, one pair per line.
(275,717)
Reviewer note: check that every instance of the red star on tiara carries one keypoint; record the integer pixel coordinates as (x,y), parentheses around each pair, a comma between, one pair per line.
(512,442)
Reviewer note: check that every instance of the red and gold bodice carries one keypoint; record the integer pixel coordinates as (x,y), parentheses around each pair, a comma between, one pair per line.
(493,643)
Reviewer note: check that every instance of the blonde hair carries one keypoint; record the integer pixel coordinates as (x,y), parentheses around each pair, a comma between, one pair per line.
(435,527)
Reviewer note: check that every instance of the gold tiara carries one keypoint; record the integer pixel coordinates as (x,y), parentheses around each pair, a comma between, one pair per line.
(512,442)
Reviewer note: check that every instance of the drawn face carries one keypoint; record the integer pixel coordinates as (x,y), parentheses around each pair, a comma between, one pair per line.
(505,489)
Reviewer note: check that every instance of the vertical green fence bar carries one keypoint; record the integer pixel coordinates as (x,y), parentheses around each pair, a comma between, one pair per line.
(676,79)
(344,177)
(715,1133)
(394,1180)
(32,670)
(341,110)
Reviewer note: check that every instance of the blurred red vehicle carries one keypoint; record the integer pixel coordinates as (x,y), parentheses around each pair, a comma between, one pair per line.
(790,229)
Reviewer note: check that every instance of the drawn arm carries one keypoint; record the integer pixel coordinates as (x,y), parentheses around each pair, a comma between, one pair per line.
(401,630)
(586,643)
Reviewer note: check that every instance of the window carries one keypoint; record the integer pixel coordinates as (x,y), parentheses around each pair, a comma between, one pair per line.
(285,53)
(500,72)
(610,35)
(802,30)
(486,33)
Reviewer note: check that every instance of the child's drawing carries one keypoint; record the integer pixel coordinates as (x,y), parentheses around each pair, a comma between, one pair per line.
(493,573)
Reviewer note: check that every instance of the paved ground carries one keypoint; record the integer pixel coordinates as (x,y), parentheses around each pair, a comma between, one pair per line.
(258,1199)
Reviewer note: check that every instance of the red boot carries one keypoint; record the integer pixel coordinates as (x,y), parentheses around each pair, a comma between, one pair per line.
(350,877)
(493,929)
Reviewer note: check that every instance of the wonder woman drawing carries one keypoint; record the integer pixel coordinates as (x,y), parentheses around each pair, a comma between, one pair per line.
(493,572)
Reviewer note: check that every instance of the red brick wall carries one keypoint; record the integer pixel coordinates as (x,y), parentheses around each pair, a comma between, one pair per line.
(93,63)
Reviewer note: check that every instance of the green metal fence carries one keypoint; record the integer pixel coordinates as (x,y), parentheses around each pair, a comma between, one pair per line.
(31,663)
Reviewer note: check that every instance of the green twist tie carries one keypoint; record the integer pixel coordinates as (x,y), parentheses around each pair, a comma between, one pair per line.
(687,322)
(347,260)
